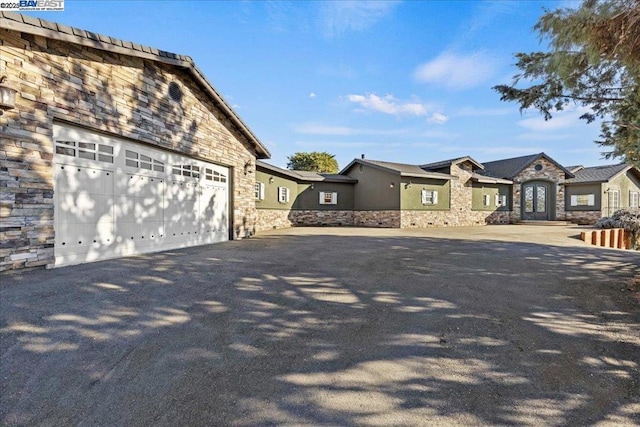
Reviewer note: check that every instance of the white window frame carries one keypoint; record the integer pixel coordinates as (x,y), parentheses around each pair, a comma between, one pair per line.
(578,199)
(328,198)
(283,195)
(634,199)
(429,197)
(614,200)
(501,200)
(486,200)
(259,191)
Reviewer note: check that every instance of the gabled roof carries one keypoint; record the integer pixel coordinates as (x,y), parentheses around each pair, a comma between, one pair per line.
(509,168)
(401,169)
(305,176)
(600,173)
(445,163)
(55,31)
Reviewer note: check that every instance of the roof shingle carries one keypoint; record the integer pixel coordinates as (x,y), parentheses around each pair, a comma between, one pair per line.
(597,173)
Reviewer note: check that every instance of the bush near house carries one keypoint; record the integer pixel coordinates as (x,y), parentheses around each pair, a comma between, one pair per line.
(629,219)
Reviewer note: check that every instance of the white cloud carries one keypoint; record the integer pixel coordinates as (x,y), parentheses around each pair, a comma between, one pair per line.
(338,17)
(565,119)
(388,104)
(457,72)
(320,129)
(438,118)
(312,95)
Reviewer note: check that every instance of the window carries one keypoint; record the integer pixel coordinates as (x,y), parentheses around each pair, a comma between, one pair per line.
(614,200)
(501,200)
(634,199)
(486,200)
(85,150)
(283,195)
(64,148)
(328,198)
(259,191)
(429,197)
(583,200)
(185,170)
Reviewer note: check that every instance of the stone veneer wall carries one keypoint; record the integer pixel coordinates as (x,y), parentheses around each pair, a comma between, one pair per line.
(322,218)
(549,172)
(123,95)
(425,219)
(583,217)
(383,219)
(271,219)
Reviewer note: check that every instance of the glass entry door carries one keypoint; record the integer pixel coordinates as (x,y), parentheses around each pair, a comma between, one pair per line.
(535,201)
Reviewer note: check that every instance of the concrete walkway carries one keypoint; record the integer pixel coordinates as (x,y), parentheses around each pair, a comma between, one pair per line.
(496,325)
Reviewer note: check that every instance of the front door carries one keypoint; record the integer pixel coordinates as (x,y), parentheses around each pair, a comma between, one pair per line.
(535,201)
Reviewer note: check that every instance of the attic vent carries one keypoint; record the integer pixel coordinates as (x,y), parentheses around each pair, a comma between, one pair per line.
(175,92)
(538,167)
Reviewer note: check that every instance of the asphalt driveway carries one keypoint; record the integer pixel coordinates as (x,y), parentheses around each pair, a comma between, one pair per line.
(492,325)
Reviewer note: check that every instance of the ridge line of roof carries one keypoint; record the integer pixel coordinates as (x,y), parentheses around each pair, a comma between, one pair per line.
(53,30)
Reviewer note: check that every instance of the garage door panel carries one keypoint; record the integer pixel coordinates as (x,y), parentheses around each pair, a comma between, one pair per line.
(134,204)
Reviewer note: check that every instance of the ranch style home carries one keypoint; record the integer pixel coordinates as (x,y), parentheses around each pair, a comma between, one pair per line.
(109,148)
(455,192)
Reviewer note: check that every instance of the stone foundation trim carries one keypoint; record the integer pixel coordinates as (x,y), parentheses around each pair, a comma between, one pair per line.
(583,217)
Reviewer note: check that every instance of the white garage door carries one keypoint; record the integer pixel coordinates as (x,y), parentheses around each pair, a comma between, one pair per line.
(114,198)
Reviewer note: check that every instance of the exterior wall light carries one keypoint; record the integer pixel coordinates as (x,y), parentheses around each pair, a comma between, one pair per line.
(7,96)
(312,186)
(271,180)
(407,185)
(392,185)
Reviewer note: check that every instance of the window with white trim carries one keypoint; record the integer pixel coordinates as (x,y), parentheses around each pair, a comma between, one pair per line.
(486,200)
(328,198)
(283,195)
(429,197)
(614,200)
(137,160)
(501,200)
(85,150)
(634,199)
(186,170)
(583,200)
(258,191)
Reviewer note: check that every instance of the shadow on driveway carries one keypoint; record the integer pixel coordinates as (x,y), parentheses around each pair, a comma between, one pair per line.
(330,330)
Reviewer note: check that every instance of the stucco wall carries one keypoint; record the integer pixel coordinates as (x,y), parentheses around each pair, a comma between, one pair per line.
(118,94)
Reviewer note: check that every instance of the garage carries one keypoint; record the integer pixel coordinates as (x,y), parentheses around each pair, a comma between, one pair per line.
(114,197)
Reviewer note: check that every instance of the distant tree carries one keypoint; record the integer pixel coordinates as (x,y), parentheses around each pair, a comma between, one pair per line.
(593,61)
(313,161)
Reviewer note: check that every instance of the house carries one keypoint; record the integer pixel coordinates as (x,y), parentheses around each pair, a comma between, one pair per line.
(599,191)
(113,148)
(453,192)
(286,198)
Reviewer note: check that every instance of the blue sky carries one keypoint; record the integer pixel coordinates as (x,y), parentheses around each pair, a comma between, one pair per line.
(405,81)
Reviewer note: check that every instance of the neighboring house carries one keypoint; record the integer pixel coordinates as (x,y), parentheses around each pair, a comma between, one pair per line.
(114,148)
(286,198)
(599,191)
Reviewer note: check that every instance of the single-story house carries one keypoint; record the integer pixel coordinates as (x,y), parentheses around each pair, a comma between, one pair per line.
(113,148)
(454,192)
